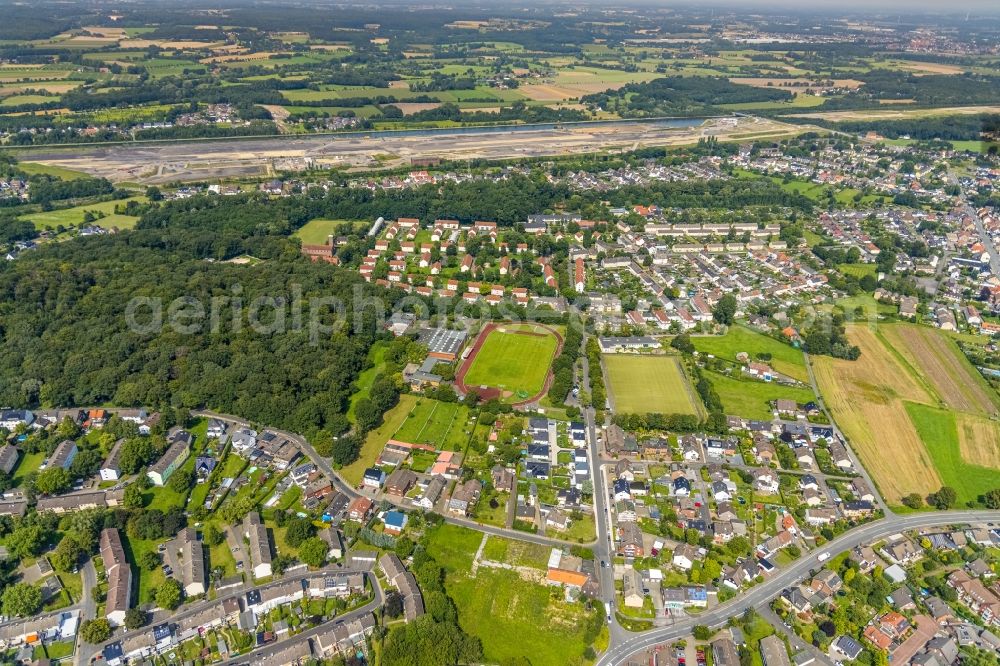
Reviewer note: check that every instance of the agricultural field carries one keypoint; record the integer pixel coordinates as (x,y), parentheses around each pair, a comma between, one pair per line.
(783,357)
(751,399)
(915,411)
(515,359)
(315,232)
(513,613)
(649,384)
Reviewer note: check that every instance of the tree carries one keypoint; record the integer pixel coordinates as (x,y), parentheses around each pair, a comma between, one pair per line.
(149,560)
(913,501)
(366,415)
(345,450)
(53,480)
(133,496)
(724,311)
(134,618)
(22,600)
(313,552)
(213,536)
(299,529)
(943,499)
(322,441)
(992,499)
(169,595)
(181,480)
(96,631)
(135,453)
(26,541)
(67,554)
(393,604)
(701,632)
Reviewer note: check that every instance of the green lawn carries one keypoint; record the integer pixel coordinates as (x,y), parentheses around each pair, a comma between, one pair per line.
(315,232)
(939,432)
(750,399)
(28,463)
(74,216)
(440,424)
(59,172)
(363,383)
(514,361)
(149,581)
(377,438)
(649,384)
(858,270)
(784,358)
(220,555)
(512,617)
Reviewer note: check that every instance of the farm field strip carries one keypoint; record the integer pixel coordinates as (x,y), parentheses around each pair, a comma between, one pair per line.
(946,369)
(914,410)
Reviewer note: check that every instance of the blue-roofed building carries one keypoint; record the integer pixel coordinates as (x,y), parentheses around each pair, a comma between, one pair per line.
(394,522)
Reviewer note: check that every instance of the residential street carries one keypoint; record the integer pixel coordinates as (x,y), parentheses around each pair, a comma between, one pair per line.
(88,611)
(618,652)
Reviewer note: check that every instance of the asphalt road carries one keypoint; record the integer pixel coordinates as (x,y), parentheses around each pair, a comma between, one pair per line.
(761,595)
(88,611)
(324,466)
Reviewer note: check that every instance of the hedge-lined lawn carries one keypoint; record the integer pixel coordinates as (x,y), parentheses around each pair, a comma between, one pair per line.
(74,216)
(750,399)
(513,360)
(649,384)
(784,358)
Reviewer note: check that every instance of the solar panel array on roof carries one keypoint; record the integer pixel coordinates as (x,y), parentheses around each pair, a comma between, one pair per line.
(442,340)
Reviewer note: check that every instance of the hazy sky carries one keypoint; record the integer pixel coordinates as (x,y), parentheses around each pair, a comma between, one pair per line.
(991,7)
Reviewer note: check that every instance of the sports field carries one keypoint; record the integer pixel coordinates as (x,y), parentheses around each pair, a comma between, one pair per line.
(444,425)
(784,358)
(514,358)
(315,232)
(649,384)
(915,411)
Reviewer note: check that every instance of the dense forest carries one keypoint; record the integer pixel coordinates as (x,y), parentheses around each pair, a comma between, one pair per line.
(946,128)
(679,96)
(67,340)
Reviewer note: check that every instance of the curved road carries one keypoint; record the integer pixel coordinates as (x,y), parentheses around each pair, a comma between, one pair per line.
(763,593)
(340,484)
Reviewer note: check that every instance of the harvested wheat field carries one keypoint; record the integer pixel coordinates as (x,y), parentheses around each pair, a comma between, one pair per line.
(979,440)
(932,67)
(938,359)
(915,410)
(413,107)
(866,398)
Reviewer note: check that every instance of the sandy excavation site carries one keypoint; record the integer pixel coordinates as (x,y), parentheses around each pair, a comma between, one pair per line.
(157,163)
